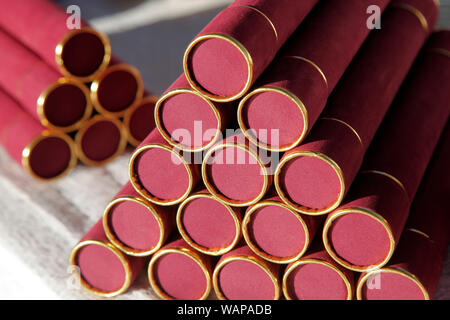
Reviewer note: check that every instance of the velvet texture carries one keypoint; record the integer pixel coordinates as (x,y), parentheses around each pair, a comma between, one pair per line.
(209,61)
(177,276)
(49,154)
(188,120)
(42,24)
(139,120)
(135,226)
(398,156)
(102,271)
(306,70)
(240,279)
(356,108)
(158,173)
(316,276)
(64,104)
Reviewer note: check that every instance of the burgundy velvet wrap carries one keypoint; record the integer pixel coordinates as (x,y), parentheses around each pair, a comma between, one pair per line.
(354,112)
(56,102)
(188,120)
(102,268)
(424,241)
(394,164)
(139,120)
(43,153)
(232,51)
(292,92)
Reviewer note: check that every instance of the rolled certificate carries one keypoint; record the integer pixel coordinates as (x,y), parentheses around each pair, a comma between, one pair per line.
(178,272)
(100,267)
(362,233)
(160,174)
(236,172)
(56,102)
(242,275)
(277,233)
(314,177)
(117,89)
(415,269)
(45,154)
(231,52)
(292,92)
(100,140)
(139,119)
(134,225)
(209,225)
(188,120)
(44,27)
(316,276)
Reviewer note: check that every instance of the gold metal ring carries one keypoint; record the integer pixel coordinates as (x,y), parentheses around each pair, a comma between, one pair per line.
(265,17)
(300,208)
(188,253)
(293,266)
(314,65)
(256,249)
(347,125)
(254,140)
(389,176)
(416,12)
(371,214)
(442,51)
(235,43)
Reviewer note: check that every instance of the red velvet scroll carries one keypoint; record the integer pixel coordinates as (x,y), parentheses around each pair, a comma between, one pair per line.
(160,174)
(314,177)
(102,268)
(363,232)
(277,233)
(45,154)
(56,102)
(139,119)
(415,268)
(117,89)
(292,92)
(242,275)
(232,51)
(236,172)
(43,27)
(134,225)
(209,225)
(316,276)
(177,272)
(100,140)
(188,120)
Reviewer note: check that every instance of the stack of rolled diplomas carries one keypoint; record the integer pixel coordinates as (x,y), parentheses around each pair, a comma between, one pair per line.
(333,188)
(52,79)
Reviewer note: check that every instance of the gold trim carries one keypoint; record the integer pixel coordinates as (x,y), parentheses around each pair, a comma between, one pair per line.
(42,100)
(192,243)
(314,65)
(166,134)
(141,189)
(253,260)
(86,285)
(80,134)
(26,153)
(190,254)
(416,12)
(419,232)
(300,208)
(260,252)
(286,93)
(130,112)
(347,125)
(394,270)
(95,85)
(235,43)
(387,175)
(119,244)
(60,48)
(265,16)
(221,197)
(291,268)
(371,214)
(442,51)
